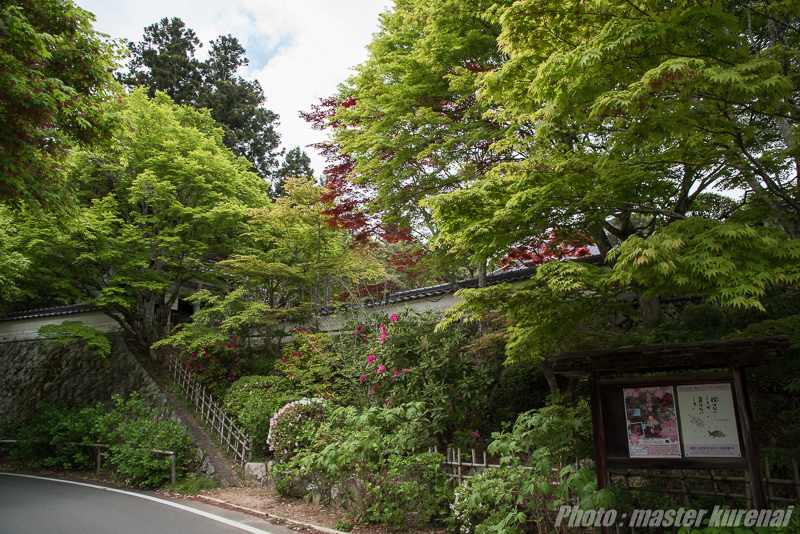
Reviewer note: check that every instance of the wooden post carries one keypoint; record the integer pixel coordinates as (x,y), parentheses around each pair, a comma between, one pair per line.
(796,478)
(172,467)
(599,436)
(749,438)
(99,460)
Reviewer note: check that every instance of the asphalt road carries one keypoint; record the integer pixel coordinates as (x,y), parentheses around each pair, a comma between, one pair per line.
(35,505)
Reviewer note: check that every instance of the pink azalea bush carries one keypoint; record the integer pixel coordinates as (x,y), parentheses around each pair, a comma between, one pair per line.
(293,427)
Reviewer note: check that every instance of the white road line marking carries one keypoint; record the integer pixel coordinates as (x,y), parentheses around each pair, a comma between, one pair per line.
(149,498)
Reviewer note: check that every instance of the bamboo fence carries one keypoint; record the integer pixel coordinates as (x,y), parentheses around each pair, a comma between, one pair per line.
(780,491)
(235,441)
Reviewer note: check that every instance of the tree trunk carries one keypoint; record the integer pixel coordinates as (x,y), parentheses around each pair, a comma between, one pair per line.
(550,376)
(651,308)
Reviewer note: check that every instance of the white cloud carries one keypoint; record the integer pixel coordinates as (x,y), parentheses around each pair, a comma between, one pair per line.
(299,50)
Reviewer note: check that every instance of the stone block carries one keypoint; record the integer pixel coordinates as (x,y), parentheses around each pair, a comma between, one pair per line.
(255,470)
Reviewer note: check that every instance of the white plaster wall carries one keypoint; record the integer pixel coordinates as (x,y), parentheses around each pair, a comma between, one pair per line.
(24,329)
(334,322)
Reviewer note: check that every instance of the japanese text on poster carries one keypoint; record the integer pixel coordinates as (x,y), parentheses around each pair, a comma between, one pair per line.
(708,420)
(652,424)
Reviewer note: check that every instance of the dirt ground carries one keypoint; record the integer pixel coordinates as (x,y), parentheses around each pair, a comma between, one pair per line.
(297,510)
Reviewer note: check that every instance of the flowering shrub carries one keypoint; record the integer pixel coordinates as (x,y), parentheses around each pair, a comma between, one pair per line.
(217,365)
(252,400)
(293,428)
(309,364)
(407,360)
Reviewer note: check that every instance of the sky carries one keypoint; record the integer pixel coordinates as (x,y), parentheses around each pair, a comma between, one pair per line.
(299,50)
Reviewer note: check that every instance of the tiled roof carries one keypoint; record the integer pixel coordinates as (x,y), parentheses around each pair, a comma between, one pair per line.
(49,312)
(496,277)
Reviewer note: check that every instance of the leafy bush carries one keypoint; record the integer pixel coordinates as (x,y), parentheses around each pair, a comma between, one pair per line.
(44,440)
(130,428)
(521,387)
(377,455)
(294,427)
(407,360)
(252,400)
(217,365)
(134,458)
(523,493)
(309,363)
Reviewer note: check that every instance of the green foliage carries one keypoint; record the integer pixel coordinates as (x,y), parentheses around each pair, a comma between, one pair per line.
(407,359)
(521,387)
(68,331)
(136,462)
(42,439)
(252,400)
(217,365)
(309,364)
(293,428)
(54,85)
(164,62)
(523,494)
(155,209)
(130,428)
(191,485)
(382,448)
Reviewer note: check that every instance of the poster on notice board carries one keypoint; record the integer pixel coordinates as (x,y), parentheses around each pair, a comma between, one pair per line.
(652,422)
(708,421)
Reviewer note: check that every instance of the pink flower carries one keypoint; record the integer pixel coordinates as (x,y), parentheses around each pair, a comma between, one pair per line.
(194,355)
(381,369)
(229,345)
(285,360)
(216,361)
(218,342)
(362,378)
(394,318)
(384,335)
(208,373)
(475,434)
(290,374)
(396,374)
(372,392)
(406,370)
(234,338)
(366,340)
(383,328)
(370,358)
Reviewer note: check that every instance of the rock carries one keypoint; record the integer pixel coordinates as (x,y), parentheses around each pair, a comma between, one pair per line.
(255,470)
(207,467)
(338,495)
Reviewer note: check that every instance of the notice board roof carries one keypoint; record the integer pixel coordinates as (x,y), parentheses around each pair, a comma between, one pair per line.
(647,358)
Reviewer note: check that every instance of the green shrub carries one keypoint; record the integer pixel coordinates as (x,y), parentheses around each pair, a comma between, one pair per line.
(309,363)
(405,359)
(130,428)
(522,495)
(136,462)
(44,440)
(521,387)
(252,400)
(381,448)
(217,365)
